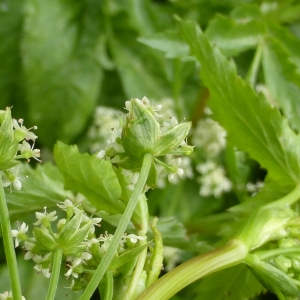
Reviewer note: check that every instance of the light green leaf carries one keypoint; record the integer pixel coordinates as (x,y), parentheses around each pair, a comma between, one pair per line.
(92,177)
(235,283)
(41,187)
(278,71)
(61,66)
(167,42)
(233,36)
(252,124)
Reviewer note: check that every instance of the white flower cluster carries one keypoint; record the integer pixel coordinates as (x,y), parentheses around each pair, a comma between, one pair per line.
(254,188)
(104,128)
(82,256)
(210,137)
(213,181)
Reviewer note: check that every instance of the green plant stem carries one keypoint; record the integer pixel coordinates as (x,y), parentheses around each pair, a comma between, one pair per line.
(267,254)
(9,247)
(54,274)
(109,289)
(108,256)
(253,70)
(168,285)
(130,293)
(140,264)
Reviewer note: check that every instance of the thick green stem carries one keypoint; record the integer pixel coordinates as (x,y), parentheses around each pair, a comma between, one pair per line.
(107,258)
(253,70)
(168,285)
(9,247)
(54,274)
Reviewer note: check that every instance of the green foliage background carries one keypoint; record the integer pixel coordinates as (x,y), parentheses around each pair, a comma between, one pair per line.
(62,58)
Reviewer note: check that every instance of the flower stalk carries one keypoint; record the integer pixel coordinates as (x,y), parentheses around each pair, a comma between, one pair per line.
(9,247)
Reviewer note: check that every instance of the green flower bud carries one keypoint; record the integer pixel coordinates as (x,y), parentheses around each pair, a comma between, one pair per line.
(44,239)
(141,130)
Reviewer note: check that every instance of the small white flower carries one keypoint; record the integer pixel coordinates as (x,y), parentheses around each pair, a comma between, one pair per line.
(68,203)
(45,272)
(133,238)
(27,151)
(21,231)
(41,216)
(178,172)
(10,178)
(18,125)
(254,188)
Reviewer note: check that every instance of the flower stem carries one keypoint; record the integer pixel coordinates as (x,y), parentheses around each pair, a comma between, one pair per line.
(108,256)
(9,247)
(168,285)
(54,274)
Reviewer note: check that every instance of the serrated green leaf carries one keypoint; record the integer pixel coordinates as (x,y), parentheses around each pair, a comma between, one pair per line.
(252,124)
(61,67)
(234,37)
(279,71)
(92,177)
(41,187)
(235,283)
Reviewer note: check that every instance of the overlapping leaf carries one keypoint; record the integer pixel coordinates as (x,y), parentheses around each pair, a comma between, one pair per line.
(253,125)
(92,177)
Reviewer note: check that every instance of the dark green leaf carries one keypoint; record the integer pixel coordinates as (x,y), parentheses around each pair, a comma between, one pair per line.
(92,177)
(62,69)
(11,15)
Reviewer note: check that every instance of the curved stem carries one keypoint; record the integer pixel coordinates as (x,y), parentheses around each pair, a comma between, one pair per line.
(54,274)
(168,285)
(108,256)
(9,247)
